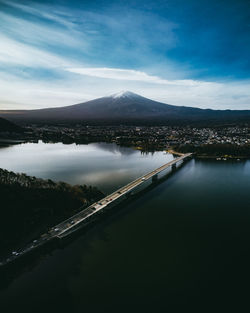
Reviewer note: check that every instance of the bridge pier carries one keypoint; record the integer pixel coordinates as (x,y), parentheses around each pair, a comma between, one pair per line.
(128,194)
(174,166)
(155,177)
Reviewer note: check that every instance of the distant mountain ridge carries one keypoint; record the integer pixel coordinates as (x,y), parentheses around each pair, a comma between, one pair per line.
(7,126)
(126,106)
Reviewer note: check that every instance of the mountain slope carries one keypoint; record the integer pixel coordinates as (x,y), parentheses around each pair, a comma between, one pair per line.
(7,126)
(126,106)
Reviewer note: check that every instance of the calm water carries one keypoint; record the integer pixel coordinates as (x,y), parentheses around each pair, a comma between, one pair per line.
(181,247)
(106,166)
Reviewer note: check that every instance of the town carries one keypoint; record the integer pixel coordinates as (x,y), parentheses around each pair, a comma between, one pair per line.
(213,141)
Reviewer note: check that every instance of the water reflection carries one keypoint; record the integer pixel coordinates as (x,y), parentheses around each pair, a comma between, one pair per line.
(103,165)
(114,148)
(182,246)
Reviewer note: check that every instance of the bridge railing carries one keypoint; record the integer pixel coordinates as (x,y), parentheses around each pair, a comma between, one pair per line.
(174,161)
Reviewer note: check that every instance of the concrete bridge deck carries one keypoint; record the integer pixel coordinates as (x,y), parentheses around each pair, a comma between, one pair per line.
(66,227)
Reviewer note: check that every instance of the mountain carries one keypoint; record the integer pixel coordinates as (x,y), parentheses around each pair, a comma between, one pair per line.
(6,126)
(127,107)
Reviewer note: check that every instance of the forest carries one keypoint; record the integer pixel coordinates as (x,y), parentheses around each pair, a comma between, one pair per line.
(30,205)
(216,150)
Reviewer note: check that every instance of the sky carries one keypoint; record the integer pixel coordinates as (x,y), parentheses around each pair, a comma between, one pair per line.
(186,53)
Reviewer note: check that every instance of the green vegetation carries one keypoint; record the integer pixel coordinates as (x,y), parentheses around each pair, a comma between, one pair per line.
(29,205)
(216,150)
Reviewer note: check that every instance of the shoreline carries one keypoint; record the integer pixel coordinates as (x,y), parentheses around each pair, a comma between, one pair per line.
(9,142)
(221,158)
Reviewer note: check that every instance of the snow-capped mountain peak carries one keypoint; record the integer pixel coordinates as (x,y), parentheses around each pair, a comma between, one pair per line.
(123,94)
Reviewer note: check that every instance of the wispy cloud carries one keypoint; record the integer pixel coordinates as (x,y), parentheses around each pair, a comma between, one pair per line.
(53,55)
(17,53)
(133,75)
(35,33)
(39,10)
(17,92)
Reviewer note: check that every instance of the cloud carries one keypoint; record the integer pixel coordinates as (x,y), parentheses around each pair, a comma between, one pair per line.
(21,93)
(54,56)
(38,33)
(133,75)
(18,53)
(18,93)
(39,11)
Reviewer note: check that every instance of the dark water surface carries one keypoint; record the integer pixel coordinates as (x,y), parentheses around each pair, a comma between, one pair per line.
(181,247)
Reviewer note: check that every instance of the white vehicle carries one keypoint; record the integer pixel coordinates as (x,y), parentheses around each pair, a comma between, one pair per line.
(143,178)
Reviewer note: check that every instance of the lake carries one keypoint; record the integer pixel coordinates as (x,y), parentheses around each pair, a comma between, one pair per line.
(104,165)
(182,246)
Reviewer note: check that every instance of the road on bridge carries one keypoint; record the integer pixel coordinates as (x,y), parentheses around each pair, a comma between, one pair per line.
(65,226)
(63,229)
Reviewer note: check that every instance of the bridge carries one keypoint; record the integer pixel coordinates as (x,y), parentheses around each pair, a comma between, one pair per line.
(78,220)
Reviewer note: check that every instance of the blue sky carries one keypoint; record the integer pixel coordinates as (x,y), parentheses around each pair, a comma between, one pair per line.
(192,53)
